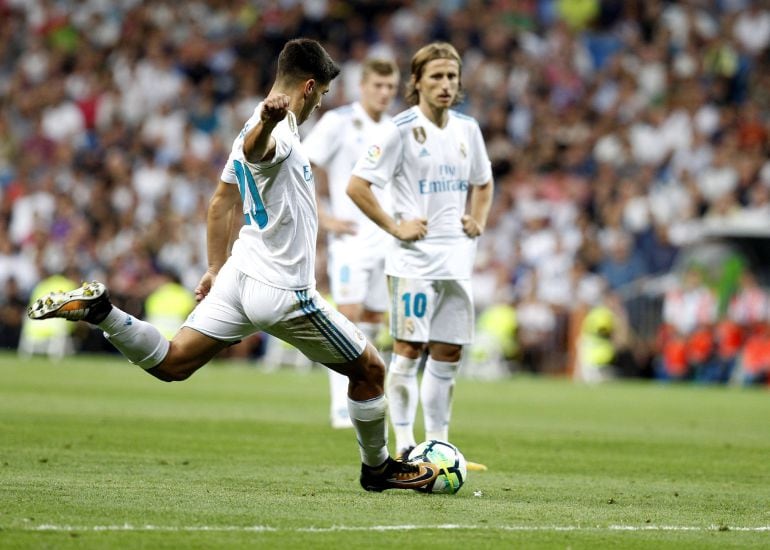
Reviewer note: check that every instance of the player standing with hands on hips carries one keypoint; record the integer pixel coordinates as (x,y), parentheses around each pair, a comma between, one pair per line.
(267,283)
(433,157)
(357,247)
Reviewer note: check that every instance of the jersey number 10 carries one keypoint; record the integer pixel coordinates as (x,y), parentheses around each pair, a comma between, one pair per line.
(416,306)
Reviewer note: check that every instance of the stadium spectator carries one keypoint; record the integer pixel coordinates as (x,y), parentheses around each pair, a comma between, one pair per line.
(621,264)
(686,341)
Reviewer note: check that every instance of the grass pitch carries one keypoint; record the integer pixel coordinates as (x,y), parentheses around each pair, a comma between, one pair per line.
(95,453)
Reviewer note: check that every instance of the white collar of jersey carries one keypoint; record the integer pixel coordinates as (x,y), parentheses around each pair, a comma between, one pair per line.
(359,109)
(425,118)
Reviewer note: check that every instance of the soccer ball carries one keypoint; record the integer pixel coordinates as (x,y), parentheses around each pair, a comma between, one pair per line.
(446,456)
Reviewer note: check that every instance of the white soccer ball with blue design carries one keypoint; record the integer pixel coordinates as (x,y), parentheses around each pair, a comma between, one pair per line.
(454,470)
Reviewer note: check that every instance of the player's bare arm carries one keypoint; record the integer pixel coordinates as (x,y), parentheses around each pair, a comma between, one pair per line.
(219,225)
(236,222)
(360,192)
(259,145)
(481,201)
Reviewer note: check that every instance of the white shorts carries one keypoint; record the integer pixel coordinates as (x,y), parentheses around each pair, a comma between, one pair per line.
(358,278)
(239,306)
(423,310)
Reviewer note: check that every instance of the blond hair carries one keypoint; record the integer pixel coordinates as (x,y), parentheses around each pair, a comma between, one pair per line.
(382,67)
(434,50)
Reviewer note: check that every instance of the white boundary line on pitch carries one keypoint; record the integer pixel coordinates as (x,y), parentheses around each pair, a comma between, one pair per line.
(127,527)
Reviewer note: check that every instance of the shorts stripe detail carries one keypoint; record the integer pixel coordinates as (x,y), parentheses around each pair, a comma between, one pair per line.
(340,342)
(344,345)
(310,309)
(394,305)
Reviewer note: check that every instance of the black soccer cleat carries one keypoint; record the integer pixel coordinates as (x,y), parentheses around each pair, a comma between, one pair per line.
(403,454)
(90,303)
(394,474)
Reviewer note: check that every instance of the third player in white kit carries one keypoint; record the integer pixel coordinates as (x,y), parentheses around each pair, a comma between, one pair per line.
(434,158)
(357,247)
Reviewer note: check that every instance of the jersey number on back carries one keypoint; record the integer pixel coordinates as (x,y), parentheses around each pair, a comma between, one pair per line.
(246,184)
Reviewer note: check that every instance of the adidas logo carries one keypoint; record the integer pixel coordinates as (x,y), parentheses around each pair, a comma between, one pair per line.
(128,322)
(424,153)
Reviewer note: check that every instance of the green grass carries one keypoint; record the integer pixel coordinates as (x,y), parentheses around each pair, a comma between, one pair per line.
(108,457)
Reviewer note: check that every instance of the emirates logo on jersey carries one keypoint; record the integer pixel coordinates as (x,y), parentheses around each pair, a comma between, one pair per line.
(419,134)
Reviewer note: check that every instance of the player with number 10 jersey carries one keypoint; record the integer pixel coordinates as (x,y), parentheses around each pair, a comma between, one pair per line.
(435,160)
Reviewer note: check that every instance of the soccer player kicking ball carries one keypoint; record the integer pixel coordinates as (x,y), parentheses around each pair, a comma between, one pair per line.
(357,247)
(433,157)
(267,283)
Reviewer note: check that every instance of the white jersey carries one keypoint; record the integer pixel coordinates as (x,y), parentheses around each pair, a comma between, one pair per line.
(430,169)
(277,242)
(335,143)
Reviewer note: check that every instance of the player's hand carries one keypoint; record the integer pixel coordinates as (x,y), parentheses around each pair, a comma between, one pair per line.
(274,109)
(411,230)
(340,227)
(204,286)
(471,227)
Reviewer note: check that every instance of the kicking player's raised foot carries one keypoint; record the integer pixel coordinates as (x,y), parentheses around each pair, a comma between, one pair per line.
(90,303)
(394,474)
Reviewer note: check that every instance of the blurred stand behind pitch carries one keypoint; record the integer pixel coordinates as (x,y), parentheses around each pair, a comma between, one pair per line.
(51,337)
(168,306)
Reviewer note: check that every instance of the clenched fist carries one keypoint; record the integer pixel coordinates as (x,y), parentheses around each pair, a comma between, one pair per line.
(274,109)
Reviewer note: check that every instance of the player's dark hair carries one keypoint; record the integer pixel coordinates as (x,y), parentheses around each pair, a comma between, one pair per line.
(303,58)
(434,50)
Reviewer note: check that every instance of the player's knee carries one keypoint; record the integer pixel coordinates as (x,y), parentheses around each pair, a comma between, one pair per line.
(375,367)
(449,353)
(412,350)
(370,369)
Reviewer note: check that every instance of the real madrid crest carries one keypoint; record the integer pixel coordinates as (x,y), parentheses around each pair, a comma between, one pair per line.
(419,134)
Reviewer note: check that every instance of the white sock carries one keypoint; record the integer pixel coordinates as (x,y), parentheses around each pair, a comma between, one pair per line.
(402,391)
(438,383)
(338,386)
(370,330)
(138,341)
(371,430)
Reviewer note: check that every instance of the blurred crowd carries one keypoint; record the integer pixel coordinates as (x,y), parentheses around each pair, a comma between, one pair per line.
(616,130)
